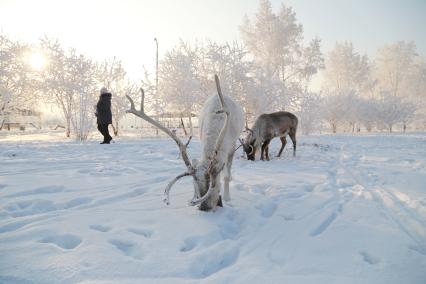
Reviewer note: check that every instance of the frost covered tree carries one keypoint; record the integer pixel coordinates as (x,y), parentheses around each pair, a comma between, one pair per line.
(16,88)
(231,64)
(394,67)
(416,81)
(380,94)
(400,72)
(347,74)
(416,91)
(408,110)
(346,70)
(352,106)
(339,108)
(180,81)
(368,113)
(68,83)
(310,114)
(154,102)
(82,85)
(269,93)
(393,109)
(53,81)
(276,42)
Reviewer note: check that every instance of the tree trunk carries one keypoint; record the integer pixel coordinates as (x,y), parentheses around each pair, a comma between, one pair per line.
(183,126)
(39,121)
(68,127)
(369,127)
(334,127)
(191,130)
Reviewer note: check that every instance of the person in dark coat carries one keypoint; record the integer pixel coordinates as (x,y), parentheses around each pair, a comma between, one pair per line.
(104,114)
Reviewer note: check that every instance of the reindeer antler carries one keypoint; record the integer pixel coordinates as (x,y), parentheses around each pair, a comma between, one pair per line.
(222,132)
(182,147)
(141,113)
(166,198)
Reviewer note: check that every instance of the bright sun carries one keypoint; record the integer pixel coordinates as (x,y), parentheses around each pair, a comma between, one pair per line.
(37,61)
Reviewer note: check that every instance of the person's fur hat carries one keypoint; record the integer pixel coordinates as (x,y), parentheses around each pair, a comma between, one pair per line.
(104,90)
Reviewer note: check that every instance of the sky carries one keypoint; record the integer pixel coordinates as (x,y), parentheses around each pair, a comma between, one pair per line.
(126,28)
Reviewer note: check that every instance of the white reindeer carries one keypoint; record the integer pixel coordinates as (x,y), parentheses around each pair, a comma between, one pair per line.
(221,122)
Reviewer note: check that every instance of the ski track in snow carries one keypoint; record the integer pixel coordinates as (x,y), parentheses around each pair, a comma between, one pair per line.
(347,209)
(405,218)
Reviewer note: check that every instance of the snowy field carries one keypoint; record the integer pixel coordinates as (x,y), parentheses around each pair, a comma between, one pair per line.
(347,209)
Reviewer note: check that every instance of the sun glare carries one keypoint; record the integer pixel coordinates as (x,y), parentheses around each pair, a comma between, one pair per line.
(37,61)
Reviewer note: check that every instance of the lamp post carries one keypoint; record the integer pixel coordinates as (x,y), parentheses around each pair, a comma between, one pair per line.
(156,66)
(156,75)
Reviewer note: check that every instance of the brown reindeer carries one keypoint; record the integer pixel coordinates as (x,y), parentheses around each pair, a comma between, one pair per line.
(265,128)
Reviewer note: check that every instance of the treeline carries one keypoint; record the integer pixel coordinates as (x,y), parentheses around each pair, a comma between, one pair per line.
(374,94)
(271,69)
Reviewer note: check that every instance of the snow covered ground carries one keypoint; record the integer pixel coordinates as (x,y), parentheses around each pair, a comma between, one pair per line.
(347,209)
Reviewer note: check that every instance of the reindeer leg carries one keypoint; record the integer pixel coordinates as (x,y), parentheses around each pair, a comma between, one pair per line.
(264,149)
(283,143)
(227,176)
(293,139)
(267,151)
(219,202)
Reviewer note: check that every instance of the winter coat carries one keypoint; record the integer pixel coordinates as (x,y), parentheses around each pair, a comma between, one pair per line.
(103,109)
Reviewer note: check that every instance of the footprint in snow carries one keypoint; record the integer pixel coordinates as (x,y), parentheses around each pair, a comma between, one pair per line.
(189,244)
(309,188)
(367,257)
(141,232)
(100,228)
(40,206)
(267,209)
(209,263)
(128,248)
(66,241)
(260,188)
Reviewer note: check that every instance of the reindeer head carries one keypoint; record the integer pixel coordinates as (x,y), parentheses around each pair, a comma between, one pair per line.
(204,174)
(206,179)
(248,144)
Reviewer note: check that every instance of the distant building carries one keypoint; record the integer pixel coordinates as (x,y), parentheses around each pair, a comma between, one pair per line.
(17,118)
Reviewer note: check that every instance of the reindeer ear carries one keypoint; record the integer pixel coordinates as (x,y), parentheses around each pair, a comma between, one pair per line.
(194,163)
